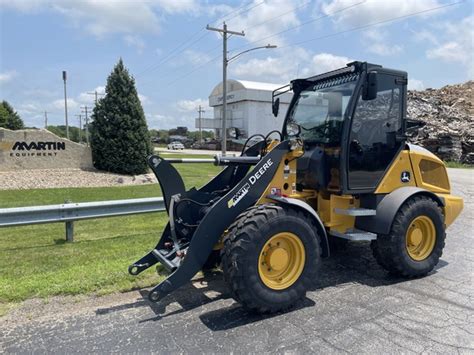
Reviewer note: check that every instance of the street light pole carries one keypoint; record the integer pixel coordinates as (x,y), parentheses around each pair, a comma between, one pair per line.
(65,104)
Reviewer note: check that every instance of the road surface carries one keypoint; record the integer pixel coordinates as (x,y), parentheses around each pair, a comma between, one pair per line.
(358,308)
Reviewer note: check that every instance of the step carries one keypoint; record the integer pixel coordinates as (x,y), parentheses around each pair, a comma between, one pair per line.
(357,212)
(355,234)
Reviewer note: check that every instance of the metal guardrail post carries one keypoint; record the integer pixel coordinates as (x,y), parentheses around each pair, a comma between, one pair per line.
(69,227)
(70,231)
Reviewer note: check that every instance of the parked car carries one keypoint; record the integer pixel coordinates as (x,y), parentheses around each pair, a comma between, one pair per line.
(176,146)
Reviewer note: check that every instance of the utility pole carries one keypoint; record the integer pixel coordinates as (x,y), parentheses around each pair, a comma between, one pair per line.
(200,111)
(85,110)
(224,31)
(45,120)
(65,103)
(80,127)
(96,95)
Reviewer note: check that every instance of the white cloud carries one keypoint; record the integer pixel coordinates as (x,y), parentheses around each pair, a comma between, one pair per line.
(325,62)
(192,105)
(101,18)
(144,99)
(415,84)
(135,41)
(455,45)
(178,6)
(5,77)
(374,11)
(59,104)
(274,69)
(87,97)
(376,41)
(288,66)
(195,57)
(159,121)
(266,19)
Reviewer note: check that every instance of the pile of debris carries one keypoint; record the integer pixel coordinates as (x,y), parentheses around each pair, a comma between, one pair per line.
(449,116)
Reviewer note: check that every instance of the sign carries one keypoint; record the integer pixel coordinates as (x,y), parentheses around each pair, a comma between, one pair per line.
(40,149)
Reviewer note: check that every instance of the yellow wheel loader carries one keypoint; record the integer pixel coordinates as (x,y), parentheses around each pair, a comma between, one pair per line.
(340,169)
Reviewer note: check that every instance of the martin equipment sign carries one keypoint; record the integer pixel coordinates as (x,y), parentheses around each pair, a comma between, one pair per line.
(40,149)
(31,149)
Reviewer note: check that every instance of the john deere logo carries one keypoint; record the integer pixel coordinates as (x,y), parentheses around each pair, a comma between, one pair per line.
(23,149)
(405,177)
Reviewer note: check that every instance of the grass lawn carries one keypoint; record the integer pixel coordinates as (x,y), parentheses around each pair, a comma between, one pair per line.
(35,261)
(454,164)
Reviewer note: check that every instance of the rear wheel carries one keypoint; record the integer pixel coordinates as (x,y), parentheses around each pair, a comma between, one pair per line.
(416,240)
(271,257)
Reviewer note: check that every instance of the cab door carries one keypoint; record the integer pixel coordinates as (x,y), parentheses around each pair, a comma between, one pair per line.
(376,133)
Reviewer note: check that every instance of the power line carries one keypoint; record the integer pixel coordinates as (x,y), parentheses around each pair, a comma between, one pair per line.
(273,35)
(277,17)
(96,95)
(79,116)
(301,25)
(374,24)
(85,109)
(323,37)
(174,52)
(246,10)
(200,111)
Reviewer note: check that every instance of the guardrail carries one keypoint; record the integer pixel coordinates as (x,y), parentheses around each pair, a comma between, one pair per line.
(69,212)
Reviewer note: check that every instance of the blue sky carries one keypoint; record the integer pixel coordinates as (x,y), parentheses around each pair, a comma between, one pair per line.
(176,62)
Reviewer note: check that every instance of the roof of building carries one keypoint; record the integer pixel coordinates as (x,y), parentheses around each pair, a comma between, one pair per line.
(234,85)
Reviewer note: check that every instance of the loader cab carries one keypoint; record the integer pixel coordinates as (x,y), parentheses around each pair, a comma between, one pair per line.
(351,122)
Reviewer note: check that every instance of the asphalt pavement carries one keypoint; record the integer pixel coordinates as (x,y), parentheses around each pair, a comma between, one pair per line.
(357,308)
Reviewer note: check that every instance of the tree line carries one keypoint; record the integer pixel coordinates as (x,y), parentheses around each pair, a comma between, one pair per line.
(119,135)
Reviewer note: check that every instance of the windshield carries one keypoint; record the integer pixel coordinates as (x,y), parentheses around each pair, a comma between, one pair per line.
(319,111)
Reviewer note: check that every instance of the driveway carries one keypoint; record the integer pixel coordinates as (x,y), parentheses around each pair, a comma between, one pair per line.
(356,308)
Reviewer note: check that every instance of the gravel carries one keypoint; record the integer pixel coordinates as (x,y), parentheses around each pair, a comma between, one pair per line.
(59,178)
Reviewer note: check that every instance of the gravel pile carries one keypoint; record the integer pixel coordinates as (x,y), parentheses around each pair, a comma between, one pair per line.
(56,178)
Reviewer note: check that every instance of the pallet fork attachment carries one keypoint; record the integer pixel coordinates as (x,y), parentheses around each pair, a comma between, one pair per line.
(239,190)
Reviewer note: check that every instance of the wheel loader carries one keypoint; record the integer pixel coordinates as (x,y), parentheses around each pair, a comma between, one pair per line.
(340,170)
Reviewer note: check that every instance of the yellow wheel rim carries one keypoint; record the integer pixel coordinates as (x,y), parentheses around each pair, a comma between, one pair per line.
(281,261)
(420,238)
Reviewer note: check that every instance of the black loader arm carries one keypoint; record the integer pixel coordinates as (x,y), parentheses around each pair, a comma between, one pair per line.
(244,195)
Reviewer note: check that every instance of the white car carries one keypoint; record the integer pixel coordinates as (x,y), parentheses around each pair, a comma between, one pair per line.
(175,146)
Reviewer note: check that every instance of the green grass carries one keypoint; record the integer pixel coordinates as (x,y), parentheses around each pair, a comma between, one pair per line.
(35,261)
(454,164)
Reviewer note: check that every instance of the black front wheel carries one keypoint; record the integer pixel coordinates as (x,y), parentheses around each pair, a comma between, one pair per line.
(271,257)
(416,240)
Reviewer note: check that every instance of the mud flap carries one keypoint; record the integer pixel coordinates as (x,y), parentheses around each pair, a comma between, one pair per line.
(244,195)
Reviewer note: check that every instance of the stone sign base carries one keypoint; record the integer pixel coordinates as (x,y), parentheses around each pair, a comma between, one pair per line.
(40,149)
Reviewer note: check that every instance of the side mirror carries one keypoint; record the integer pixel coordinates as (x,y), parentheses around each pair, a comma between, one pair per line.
(293,129)
(233,132)
(370,88)
(276,107)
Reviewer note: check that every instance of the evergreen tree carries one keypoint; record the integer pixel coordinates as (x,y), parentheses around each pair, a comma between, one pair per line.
(9,118)
(119,134)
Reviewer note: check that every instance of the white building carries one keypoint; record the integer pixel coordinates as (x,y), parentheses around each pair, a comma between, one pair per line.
(249,108)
